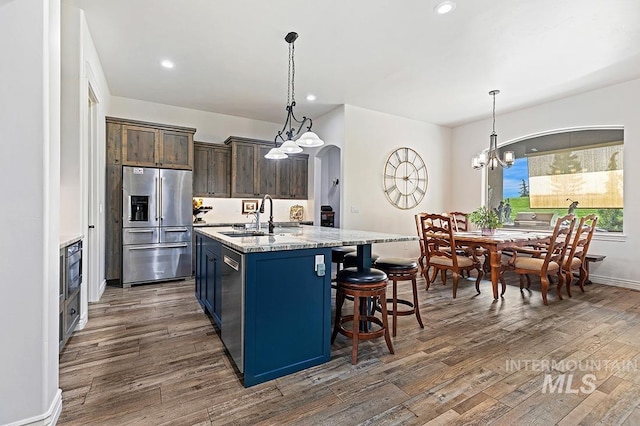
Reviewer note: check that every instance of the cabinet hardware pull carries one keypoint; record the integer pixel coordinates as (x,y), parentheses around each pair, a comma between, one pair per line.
(157,200)
(161,206)
(157,247)
(229,261)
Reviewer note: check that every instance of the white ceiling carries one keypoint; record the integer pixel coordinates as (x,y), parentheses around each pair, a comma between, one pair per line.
(394,56)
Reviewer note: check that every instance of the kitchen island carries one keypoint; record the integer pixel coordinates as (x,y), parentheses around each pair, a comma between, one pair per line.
(270,295)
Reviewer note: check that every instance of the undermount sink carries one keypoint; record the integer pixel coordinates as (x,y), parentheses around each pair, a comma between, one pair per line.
(279,231)
(244,233)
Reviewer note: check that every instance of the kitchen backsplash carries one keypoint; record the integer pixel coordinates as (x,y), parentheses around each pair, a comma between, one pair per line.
(229,210)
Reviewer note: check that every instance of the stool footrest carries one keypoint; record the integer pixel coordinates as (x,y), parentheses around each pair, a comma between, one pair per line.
(411,311)
(362,335)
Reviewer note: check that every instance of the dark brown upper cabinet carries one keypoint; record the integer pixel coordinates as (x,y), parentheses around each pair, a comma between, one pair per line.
(293,177)
(252,175)
(211,170)
(156,145)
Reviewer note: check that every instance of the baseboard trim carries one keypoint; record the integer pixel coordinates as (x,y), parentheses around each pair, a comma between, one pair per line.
(83,321)
(616,282)
(49,418)
(101,289)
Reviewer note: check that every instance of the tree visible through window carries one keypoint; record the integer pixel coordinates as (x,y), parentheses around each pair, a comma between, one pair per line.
(578,171)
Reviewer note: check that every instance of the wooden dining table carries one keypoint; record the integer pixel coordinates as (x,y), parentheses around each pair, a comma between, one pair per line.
(495,243)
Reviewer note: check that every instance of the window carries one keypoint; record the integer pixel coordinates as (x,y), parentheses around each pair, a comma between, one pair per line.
(579,171)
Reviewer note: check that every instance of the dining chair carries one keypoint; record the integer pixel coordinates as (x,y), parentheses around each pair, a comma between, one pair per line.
(461,223)
(442,253)
(577,251)
(460,220)
(544,260)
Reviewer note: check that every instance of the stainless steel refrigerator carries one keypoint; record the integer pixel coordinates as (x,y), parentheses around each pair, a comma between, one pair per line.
(156,224)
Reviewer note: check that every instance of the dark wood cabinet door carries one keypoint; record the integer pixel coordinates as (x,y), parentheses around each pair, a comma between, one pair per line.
(201,162)
(266,174)
(284,178)
(211,170)
(299,177)
(292,177)
(139,146)
(252,175)
(175,150)
(220,171)
(113,203)
(243,174)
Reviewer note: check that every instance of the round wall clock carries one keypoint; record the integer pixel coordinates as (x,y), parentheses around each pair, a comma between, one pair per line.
(405,178)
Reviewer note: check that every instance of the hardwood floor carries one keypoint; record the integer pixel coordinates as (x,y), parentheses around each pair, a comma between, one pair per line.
(150,356)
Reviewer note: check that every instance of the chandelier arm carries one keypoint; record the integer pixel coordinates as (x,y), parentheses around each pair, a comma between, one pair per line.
(288,130)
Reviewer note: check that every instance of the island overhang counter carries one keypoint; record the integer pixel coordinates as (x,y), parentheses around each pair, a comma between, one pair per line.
(270,295)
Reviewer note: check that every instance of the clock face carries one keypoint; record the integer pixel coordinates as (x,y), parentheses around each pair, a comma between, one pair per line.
(405,178)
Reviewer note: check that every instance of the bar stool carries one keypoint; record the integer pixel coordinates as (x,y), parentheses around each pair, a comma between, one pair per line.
(400,269)
(361,285)
(350,259)
(337,257)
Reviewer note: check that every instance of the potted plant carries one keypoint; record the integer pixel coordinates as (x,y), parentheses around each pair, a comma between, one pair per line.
(485,219)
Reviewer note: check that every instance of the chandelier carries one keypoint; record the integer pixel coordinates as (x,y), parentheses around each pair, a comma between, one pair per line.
(491,157)
(289,132)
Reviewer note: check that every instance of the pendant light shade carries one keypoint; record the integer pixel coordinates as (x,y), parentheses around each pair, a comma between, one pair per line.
(275,154)
(290,147)
(309,140)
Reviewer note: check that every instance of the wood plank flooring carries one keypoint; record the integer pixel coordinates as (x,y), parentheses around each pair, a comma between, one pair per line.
(150,356)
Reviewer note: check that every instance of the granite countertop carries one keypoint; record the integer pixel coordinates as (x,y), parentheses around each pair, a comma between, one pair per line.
(296,238)
(220,224)
(67,240)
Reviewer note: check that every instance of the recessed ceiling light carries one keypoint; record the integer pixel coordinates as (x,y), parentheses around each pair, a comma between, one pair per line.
(444,7)
(167,63)
(311,97)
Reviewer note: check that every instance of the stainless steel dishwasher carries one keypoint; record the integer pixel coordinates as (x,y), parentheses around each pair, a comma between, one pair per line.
(232,305)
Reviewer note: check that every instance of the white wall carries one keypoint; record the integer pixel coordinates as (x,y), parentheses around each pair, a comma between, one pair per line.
(614,105)
(330,175)
(229,210)
(29,221)
(70,117)
(369,139)
(330,128)
(211,127)
(93,77)
(81,68)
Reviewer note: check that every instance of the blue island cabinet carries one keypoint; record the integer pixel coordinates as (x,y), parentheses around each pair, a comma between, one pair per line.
(287,313)
(287,308)
(208,276)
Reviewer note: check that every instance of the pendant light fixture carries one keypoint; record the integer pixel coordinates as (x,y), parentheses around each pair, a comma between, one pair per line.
(289,132)
(491,157)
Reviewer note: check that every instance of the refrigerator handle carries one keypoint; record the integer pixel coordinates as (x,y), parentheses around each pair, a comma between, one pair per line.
(130,207)
(157,203)
(161,185)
